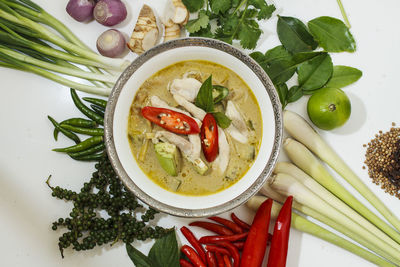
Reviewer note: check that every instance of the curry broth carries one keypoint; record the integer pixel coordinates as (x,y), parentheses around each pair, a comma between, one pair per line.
(188,181)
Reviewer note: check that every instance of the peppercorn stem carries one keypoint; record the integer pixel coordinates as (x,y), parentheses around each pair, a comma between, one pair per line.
(298,128)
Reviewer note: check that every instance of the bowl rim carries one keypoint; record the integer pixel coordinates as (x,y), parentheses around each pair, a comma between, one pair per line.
(136,64)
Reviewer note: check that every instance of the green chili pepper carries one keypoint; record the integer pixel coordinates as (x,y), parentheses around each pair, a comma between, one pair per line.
(86,144)
(89,157)
(67,133)
(99,110)
(92,150)
(96,101)
(76,122)
(81,130)
(85,110)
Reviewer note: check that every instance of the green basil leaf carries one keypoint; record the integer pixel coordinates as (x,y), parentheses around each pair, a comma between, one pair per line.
(315,73)
(219,93)
(294,94)
(332,34)
(165,251)
(294,35)
(138,258)
(196,25)
(343,76)
(204,99)
(222,120)
(282,90)
(193,5)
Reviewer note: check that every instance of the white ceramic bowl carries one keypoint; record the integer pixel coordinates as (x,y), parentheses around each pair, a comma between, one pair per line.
(116,124)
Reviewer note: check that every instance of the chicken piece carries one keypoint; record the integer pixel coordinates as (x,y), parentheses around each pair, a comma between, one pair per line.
(187,148)
(194,139)
(186,87)
(192,108)
(238,128)
(220,164)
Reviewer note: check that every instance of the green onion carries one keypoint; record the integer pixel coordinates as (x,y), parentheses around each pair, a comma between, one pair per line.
(287,185)
(298,128)
(302,224)
(28,44)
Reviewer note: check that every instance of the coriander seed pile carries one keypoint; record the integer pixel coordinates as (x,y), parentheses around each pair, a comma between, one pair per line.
(383,160)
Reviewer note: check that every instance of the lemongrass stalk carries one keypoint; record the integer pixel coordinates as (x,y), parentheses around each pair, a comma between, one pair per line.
(309,211)
(57,68)
(310,183)
(298,128)
(306,161)
(287,185)
(302,224)
(112,63)
(56,78)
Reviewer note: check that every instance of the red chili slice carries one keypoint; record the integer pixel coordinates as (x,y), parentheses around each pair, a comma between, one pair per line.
(209,137)
(170,120)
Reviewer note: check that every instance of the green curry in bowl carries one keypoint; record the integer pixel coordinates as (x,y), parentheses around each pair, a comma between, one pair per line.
(173,138)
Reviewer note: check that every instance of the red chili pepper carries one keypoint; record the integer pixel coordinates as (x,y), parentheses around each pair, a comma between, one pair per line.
(239,245)
(217,249)
(233,250)
(211,260)
(231,225)
(227,261)
(194,242)
(213,227)
(209,137)
(256,242)
(242,224)
(185,263)
(212,239)
(193,256)
(170,120)
(280,239)
(220,259)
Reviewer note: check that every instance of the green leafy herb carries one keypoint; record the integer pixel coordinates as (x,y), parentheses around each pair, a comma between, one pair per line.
(294,35)
(343,76)
(282,90)
(294,94)
(164,252)
(234,20)
(219,93)
(204,99)
(193,5)
(202,22)
(137,257)
(332,34)
(315,73)
(222,120)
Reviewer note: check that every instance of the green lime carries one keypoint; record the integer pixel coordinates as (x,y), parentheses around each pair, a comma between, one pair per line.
(329,108)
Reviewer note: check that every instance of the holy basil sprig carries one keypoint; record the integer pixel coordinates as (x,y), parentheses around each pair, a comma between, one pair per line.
(205,100)
(235,19)
(165,252)
(297,54)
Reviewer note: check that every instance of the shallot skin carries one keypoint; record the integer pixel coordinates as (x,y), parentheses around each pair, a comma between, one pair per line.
(111,43)
(110,12)
(80,10)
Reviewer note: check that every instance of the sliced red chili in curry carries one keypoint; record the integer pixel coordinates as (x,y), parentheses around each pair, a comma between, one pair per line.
(209,137)
(170,120)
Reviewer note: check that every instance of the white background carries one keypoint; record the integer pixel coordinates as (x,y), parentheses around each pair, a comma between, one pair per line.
(26,160)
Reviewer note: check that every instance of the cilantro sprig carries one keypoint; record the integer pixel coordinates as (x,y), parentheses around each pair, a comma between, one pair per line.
(234,19)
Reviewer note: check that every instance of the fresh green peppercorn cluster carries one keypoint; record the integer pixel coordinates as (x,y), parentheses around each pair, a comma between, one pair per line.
(104,211)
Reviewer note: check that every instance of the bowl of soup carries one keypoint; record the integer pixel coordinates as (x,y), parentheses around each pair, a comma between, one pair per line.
(193,127)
